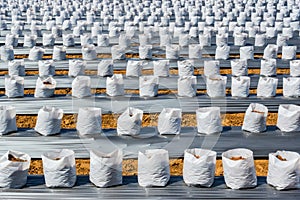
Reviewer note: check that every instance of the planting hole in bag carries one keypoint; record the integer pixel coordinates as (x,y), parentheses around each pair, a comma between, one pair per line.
(186,68)
(267,87)
(59,168)
(45,87)
(115,85)
(240,86)
(216,86)
(81,87)
(239,169)
(209,120)
(130,122)
(106,168)
(255,118)
(76,68)
(169,121)
(187,86)
(161,68)
(199,167)
(49,121)
(283,170)
(14,86)
(89,121)
(288,119)
(148,86)
(106,68)
(16,67)
(14,167)
(153,168)
(8,122)
(211,67)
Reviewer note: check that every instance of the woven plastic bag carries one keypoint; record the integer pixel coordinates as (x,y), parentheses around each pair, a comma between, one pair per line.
(81,86)
(260,40)
(288,118)
(148,86)
(29,41)
(153,168)
(172,51)
(103,40)
(134,68)
(76,68)
(48,39)
(7,53)
(267,87)
(59,168)
(221,40)
(289,52)
(239,67)
(199,167)
(117,52)
(239,169)
(86,40)
(268,67)
(145,52)
(184,40)
(89,52)
(14,166)
(295,68)
(16,67)
(124,40)
(240,39)
(255,118)
(106,168)
(187,86)
(240,86)
(68,40)
(222,52)
(195,51)
(205,40)
(211,67)
(8,122)
(209,120)
(36,53)
(130,122)
(282,40)
(185,68)
(115,85)
(46,68)
(161,68)
(49,121)
(89,121)
(216,86)
(59,53)
(14,86)
(247,53)
(270,51)
(45,87)
(11,40)
(283,170)
(169,121)
(291,86)
(105,68)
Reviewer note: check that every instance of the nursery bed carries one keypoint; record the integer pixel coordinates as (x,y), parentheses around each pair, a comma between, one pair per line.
(35,189)
(261,144)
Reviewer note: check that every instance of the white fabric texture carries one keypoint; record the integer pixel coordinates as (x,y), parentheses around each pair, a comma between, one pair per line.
(130,122)
(255,118)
